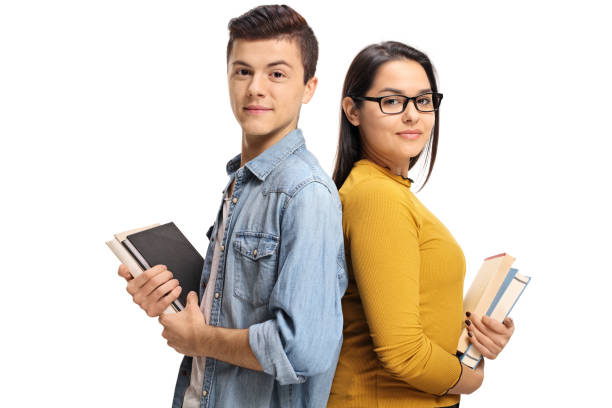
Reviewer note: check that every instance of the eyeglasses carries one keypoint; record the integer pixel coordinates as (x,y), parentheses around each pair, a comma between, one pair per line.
(396,104)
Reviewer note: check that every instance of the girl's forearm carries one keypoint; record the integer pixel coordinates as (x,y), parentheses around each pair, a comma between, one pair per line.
(470,380)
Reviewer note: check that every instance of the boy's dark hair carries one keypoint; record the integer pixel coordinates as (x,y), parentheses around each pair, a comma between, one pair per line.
(265,22)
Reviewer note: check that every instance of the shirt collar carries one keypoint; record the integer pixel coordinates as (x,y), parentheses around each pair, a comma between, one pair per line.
(269,159)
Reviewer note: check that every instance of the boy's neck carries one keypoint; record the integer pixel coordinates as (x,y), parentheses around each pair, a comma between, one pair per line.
(253,146)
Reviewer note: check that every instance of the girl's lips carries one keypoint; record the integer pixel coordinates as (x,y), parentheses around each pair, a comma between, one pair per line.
(410,134)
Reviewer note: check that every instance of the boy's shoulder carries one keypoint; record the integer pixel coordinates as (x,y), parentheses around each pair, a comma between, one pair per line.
(298,170)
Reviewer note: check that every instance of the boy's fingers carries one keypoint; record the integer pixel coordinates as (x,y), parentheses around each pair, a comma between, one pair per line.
(144,277)
(167,301)
(124,272)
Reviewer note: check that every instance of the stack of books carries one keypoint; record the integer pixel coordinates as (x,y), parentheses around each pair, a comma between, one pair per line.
(494,292)
(142,248)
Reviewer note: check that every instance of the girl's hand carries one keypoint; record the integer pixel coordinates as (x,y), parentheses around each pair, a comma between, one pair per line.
(488,335)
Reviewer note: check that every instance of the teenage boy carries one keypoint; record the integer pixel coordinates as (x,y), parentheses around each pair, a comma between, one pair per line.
(267,329)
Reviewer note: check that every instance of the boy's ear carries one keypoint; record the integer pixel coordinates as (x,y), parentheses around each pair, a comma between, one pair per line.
(350,110)
(311,86)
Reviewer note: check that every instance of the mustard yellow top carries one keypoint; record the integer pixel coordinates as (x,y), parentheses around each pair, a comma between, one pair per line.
(403,306)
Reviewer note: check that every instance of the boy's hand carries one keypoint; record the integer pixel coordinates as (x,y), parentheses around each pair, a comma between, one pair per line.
(186,330)
(153,290)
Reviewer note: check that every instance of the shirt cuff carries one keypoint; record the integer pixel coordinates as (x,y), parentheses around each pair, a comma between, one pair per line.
(438,374)
(458,355)
(266,344)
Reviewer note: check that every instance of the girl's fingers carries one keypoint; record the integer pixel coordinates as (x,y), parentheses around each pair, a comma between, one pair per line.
(490,348)
(472,337)
(497,340)
(494,325)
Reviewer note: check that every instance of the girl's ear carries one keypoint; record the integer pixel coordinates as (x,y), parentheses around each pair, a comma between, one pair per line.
(350,110)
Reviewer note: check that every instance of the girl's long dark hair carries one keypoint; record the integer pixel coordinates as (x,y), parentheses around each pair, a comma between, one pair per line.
(358,81)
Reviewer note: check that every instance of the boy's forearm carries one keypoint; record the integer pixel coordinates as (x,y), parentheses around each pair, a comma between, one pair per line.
(229,345)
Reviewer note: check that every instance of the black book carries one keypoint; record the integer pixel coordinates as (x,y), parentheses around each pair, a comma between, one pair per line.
(166,245)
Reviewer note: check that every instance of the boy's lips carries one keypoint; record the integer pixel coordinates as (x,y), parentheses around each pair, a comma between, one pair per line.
(257,109)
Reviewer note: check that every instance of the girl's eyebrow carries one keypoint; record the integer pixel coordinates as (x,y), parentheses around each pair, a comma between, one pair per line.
(397,91)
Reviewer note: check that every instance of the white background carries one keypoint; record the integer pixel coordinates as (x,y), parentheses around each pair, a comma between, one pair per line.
(115,114)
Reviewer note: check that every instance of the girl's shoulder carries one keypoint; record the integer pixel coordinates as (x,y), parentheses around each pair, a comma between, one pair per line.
(366,182)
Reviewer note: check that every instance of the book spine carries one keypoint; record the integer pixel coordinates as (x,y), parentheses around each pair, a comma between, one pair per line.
(509,277)
(125,257)
(132,250)
(471,357)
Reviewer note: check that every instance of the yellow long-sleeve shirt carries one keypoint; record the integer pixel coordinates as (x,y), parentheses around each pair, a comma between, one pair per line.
(403,306)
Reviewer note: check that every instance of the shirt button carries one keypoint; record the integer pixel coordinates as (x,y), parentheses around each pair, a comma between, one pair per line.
(254,252)
(235,200)
(204,393)
(222,248)
(217,295)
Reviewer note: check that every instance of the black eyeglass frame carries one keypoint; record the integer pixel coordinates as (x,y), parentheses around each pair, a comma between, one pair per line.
(406,102)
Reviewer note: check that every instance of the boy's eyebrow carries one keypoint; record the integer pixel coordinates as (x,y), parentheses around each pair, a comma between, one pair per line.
(279,62)
(238,62)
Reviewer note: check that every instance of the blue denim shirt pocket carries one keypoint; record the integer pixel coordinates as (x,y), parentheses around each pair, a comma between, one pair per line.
(256,263)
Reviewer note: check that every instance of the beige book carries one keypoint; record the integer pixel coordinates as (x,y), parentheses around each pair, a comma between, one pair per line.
(123,235)
(126,258)
(483,290)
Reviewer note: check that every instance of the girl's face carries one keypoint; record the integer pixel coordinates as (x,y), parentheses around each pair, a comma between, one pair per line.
(393,139)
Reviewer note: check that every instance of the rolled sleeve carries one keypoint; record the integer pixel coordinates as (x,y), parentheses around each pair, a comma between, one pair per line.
(265,343)
(305,337)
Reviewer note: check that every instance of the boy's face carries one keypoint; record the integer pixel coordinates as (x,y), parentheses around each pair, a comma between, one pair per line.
(266,87)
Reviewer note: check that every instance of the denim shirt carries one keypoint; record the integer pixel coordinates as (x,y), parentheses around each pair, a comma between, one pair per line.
(282,275)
